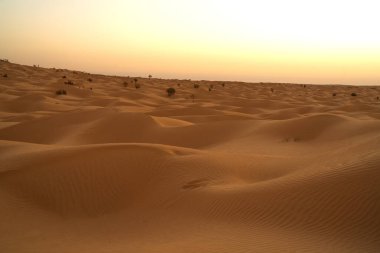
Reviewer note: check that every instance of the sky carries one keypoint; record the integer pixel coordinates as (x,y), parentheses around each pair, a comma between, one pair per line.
(301,41)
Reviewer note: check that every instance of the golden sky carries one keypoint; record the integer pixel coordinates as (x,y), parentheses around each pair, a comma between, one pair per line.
(304,41)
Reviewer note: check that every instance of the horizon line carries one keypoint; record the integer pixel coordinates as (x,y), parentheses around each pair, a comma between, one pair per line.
(187,79)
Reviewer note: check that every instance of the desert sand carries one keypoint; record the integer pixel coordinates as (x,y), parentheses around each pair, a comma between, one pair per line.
(220,168)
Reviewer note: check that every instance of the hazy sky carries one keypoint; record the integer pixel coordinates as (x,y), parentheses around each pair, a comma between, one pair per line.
(315,41)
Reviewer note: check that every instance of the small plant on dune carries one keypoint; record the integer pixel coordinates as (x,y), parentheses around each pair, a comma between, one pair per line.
(170,91)
(5,75)
(178,84)
(69,82)
(223,84)
(125,84)
(192,96)
(334,94)
(377,98)
(90,80)
(294,139)
(150,76)
(137,86)
(272,90)
(64,77)
(196,86)
(353,94)
(61,92)
(304,85)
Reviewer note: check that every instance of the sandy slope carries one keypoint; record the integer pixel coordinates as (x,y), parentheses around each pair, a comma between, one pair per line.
(109,168)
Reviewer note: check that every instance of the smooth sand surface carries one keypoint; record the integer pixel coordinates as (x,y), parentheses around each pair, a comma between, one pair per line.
(112,168)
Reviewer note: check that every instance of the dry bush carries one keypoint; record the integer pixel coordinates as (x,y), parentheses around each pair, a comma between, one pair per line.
(69,82)
(61,92)
(170,91)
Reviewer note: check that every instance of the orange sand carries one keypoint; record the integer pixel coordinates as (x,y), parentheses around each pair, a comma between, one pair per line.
(239,169)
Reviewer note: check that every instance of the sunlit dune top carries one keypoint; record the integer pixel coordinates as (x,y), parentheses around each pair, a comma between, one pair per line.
(321,41)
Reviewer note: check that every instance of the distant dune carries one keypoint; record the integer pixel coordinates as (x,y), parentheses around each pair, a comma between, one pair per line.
(226,167)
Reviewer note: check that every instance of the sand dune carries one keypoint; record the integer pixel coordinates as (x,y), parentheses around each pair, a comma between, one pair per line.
(110,168)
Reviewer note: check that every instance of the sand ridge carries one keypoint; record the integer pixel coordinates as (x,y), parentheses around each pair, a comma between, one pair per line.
(226,167)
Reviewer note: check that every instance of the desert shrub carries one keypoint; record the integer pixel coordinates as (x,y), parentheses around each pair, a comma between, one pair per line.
(209,89)
(170,91)
(64,77)
(69,82)
(137,86)
(178,84)
(5,75)
(290,139)
(272,90)
(192,96)
(125,83)
(353,94)
(150,76)
(196,86)
(334,94)
(90,80)
(377,98)
(223,84)
(61,92)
